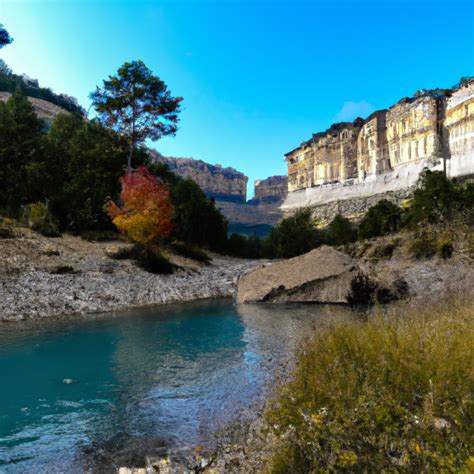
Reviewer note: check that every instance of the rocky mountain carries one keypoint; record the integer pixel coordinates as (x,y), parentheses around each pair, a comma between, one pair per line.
(226,184)
(272,189)
(229,188)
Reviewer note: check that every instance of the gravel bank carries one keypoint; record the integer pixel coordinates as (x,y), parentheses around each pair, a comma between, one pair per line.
(30,289)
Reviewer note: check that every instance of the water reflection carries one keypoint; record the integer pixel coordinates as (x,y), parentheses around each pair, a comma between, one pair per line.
(161,376)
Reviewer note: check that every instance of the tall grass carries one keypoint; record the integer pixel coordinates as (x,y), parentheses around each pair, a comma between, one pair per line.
(394,394)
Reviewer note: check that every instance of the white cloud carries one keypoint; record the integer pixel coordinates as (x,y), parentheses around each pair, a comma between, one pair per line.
(351,110)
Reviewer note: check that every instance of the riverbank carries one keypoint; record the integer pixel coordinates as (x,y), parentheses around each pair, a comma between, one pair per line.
(54,277)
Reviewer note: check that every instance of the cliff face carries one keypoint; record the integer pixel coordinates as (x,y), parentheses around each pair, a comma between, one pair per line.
(384,155)
(272,189)
(226,184)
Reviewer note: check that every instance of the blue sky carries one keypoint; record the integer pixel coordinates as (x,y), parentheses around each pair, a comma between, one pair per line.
(258,77)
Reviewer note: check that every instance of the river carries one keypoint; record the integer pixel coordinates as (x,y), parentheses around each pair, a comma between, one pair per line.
(139,381)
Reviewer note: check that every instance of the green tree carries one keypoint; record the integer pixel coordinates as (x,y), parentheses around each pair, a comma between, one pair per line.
(340,231)
(137,104)
(21,137)
(436,199)
(197,220)
(294,236)
(79,171)
(381,219)
(5,37)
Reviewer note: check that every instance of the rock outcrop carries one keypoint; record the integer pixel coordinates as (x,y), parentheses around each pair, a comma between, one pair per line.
(269,190)
(225,184)
(323,275)
(45,110)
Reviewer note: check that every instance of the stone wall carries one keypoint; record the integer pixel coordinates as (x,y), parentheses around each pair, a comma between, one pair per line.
(383,155)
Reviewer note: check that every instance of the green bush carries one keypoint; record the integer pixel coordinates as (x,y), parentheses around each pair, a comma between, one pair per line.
(382,219)
(294,236)
(340,231)
(191,251)
(393,394)
(436,199)
(362,292)
(38,217)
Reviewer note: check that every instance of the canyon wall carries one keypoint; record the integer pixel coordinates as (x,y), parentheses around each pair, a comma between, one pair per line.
(351,165)
(272,189)
(225,184)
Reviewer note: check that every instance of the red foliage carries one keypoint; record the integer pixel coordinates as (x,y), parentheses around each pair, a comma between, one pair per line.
(146,212)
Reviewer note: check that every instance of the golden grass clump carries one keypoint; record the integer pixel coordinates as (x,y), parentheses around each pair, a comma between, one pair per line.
(393,394)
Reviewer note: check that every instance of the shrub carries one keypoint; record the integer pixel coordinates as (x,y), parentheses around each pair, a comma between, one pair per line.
(422,246)
(99,235)
(393,394)
(362,292)
(340,231)
(294,236)
(382,219)
(383,251)
(152,260)
(191,251)
(436,199)
(38,217)
(445,249)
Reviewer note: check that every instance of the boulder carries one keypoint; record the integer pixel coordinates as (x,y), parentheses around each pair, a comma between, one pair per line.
(323,275)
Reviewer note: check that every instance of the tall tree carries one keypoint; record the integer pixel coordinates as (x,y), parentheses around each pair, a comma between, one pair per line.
(5,37)
(21,136)
(138,104)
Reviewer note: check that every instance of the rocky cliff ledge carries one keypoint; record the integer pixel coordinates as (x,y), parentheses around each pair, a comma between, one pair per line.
(272,189)
(220,183)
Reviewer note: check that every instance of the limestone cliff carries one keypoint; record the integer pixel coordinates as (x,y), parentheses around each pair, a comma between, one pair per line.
(272,189)
(384,155)
(225,184)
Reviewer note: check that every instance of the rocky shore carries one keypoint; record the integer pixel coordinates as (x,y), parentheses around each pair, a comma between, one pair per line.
(41,277)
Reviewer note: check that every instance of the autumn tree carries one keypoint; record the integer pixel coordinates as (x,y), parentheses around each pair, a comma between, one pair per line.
(146,213)
(5,37)
(137,104)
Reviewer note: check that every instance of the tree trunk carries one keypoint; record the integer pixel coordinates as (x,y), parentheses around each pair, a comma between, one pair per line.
(130,156)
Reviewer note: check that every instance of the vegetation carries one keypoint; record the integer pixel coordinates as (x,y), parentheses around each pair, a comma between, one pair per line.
(5,37)
(145,214)
(137,104)
(294,235)
(340,231)
(382,219)
(393,394)
(38,217)
(10,82)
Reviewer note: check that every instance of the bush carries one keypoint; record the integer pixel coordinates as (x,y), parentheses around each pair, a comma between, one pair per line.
(38,217)
(393,394)
(436,199)
(294,236)
(382,219)
(99,235)
(152,260)
(383,251)
(362,292)
(422,246)
(445,249)
(191,251)
(340,231)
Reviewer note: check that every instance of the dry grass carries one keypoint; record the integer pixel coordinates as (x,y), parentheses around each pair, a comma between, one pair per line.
(391,394)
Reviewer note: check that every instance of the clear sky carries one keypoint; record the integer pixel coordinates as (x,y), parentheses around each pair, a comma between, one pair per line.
(258,77)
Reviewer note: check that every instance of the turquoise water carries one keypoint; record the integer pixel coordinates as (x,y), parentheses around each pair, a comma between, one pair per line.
(160,378)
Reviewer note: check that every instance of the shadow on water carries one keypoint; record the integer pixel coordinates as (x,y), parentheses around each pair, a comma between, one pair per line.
(150,380)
